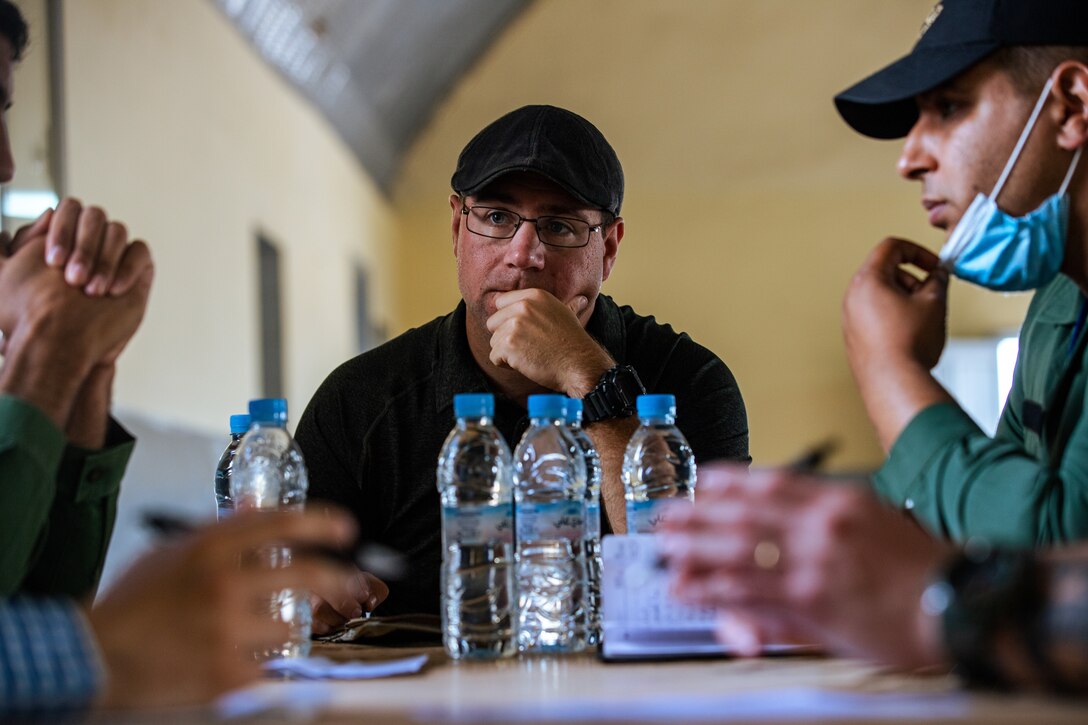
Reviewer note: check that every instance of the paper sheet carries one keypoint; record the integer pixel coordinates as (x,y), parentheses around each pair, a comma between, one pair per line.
(763,705)
(311,693)
(639,617)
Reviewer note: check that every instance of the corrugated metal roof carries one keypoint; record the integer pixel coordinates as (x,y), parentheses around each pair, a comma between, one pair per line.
(377,69)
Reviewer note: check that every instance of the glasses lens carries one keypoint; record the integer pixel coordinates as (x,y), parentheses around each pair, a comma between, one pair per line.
(495,223)
(562,232)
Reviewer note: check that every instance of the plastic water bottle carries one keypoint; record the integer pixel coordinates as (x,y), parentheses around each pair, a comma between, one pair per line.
(476,487)
(224,504)
(658,465)
(549,495)
(593,517)
(270,475)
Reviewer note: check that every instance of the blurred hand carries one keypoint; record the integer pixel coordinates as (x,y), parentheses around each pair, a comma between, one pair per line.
(348,598)
(796,558)
(180,626)
(542,338)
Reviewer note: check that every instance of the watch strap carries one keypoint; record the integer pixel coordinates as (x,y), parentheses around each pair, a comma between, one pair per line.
(615,395)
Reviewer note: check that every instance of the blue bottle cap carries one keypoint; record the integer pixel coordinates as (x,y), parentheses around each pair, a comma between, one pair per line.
(239,423)
(548,406)
(474,405)
(656,406)
(574,410)
(268,410)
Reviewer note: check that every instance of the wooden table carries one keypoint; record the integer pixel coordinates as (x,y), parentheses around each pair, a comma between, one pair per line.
(583,689)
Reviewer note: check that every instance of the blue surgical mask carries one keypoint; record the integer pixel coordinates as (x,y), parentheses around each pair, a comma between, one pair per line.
(999,251)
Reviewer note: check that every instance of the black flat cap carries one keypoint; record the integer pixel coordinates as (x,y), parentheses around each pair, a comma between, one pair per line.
(549,141)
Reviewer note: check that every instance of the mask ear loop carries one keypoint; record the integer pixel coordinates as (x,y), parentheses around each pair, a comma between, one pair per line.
(1024,135)
(953,254)
(1072,170)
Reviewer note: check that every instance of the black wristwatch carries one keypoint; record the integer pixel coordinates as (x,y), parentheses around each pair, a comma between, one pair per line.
(985,594)
(615,395)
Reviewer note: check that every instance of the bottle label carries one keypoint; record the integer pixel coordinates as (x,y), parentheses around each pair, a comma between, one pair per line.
(645,517)
(558,520)
(481,524)
(593,520)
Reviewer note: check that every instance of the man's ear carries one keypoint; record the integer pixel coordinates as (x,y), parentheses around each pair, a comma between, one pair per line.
(455,219)
(1071,89)
(613,235)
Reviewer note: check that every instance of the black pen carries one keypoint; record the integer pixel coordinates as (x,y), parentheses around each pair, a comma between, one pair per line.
(813,457)
(377,559)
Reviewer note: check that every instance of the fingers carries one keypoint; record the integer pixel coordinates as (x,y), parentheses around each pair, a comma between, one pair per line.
(893,252)
(578,304)
(90,233)
(379,591)
(93,251)
(135,268)
(749,632)
(325,618)
(741,633)
(309,575)
(505,299)
(114,240)
(247,531)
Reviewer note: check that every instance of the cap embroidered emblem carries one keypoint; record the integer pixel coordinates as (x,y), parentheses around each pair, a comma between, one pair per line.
(931,18)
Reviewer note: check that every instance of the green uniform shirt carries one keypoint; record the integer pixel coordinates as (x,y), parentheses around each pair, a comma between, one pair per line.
(1028,485)
(57,503)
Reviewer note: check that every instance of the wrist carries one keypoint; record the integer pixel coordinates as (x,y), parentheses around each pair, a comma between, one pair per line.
(41,374)
(587,374)
(614,396)
(986,600)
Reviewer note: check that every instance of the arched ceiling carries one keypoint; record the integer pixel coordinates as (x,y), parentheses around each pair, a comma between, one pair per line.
(377,69)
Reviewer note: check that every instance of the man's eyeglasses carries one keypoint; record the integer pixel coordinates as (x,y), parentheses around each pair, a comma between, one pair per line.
(555,231)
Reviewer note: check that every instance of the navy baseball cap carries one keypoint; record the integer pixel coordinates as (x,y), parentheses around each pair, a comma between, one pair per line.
(553,142)
(956,35)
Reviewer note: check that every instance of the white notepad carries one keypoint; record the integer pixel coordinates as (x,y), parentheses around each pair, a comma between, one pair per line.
(640,620)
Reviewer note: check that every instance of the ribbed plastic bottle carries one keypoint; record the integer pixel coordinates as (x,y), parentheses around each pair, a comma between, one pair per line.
(658,465)
(549,496)
(475,484)
(270,475)
(593,517)
(224,504)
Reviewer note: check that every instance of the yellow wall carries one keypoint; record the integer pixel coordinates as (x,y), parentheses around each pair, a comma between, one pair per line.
(176,126)
(749,203)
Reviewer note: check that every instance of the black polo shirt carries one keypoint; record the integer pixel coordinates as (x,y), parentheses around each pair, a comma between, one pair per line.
(372,433)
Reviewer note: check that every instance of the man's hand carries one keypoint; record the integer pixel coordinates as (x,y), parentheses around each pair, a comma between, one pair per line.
(94,252)
(347,599)
(55,334)
(787,556)
(889,314)
(894,326)
(180,627)
(537,335)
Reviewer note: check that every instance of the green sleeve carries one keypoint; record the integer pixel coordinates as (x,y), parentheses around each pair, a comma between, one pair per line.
(31,447)
(961,483)
(66,512)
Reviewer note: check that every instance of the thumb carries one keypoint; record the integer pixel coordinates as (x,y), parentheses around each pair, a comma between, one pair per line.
(578,304)
(36,228)
(936,284)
